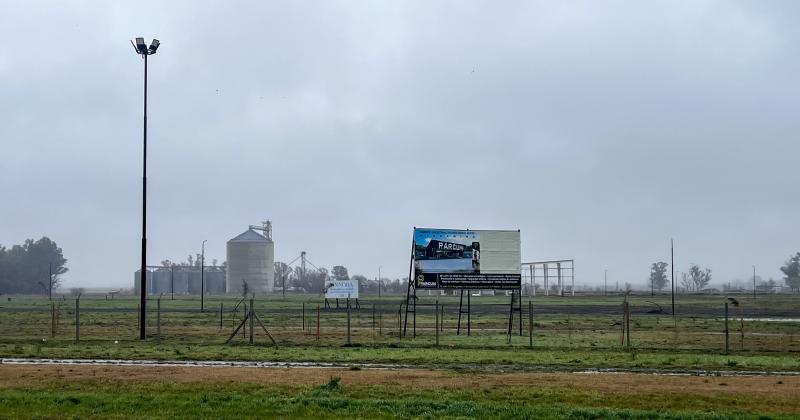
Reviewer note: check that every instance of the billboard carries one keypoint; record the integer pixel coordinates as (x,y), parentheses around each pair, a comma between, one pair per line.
(466,259)
(341,289)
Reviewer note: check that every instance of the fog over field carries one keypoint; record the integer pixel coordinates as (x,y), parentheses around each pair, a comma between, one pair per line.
(599,129)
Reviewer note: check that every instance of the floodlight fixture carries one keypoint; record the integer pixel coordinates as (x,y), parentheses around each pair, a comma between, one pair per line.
(141,47)
(154,46)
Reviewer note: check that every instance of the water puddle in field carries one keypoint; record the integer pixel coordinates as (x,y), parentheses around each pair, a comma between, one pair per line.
(196,363)
(771,319)
(328,365)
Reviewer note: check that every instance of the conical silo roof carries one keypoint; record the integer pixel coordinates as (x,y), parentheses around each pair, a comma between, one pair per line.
(250,236)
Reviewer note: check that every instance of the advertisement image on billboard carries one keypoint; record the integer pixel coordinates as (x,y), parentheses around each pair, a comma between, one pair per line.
(341,289)
(466,259)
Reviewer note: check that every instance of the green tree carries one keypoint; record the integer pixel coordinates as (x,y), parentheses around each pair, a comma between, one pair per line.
(26,268)
(658,275)
(699,277)
(791,271)
(339,273)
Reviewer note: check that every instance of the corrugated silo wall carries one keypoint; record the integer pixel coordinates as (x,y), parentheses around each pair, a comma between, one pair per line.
(215,282)
(136,285)
(161,282)
(194,282)
(253,262)
(181,281)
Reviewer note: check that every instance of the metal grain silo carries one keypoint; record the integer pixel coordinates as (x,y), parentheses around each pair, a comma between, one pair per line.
(251,259)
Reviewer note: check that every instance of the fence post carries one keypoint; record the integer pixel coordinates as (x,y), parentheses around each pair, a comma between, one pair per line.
(727,342)
(158,319)
(348,320)
(436,327)
(244,330)
(252,319)
(304,317)
(530,324)
(400,322)
(77,319)
(317,322)
(220,316)
(628,325)
(52,319)
(373,322)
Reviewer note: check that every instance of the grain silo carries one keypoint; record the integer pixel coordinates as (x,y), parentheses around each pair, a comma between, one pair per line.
(251,258)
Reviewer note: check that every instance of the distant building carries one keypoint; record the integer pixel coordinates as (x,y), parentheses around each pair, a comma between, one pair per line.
(182,280)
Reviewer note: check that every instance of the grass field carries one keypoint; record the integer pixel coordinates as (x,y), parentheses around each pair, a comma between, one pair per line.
(483,375)
(121,392)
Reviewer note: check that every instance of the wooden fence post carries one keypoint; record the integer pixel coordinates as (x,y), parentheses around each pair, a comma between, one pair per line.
(77,319)
(52,319)
(436,326)
(252,320)
(530,324)
(158,319)
(727,340)
(348,321)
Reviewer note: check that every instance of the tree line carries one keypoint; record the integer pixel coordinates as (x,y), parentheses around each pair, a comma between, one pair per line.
(314,280)
(697,278)
(33,267)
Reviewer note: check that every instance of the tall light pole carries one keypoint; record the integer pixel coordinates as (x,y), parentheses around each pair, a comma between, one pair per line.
(672,266)
(142,49)
(202,274)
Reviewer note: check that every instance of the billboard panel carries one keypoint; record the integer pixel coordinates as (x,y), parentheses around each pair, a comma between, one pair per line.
(466,259)
(341,289)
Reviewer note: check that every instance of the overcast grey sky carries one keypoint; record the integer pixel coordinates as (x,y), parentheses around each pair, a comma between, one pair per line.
(599,129)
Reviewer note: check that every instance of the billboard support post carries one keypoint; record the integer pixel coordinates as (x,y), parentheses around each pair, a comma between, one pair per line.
(408,292)
(462,311)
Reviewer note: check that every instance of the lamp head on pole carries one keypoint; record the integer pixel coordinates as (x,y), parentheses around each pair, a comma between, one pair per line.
(141,48)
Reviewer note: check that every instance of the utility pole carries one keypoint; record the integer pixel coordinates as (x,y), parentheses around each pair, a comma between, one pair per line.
(142,49)
(605,282)
(754,282)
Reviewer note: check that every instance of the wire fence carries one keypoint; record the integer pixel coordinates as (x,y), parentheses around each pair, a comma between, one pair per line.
(771,325)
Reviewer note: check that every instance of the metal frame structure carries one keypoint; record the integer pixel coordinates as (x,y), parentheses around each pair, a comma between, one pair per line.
(562,270)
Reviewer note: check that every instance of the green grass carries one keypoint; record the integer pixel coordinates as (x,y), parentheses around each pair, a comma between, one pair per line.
(165,399)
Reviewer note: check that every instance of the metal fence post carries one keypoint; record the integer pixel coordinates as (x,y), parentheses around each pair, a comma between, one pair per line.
(317,322)
(304,317)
